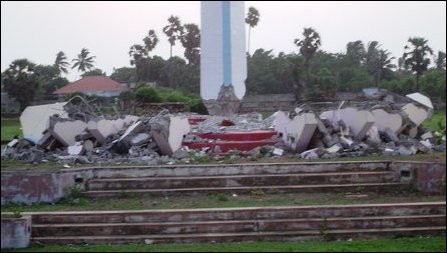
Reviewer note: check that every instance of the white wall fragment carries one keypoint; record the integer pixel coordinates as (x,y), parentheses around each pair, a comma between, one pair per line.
(35,119)
(384,120)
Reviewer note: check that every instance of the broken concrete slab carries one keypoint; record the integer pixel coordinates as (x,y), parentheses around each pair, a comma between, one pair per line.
(66,131)
(169,131)
(140,139)
(35,119)
(358,121)
(421,99)
(385,120)
(298,131)
(103,128)
(416,114)
(75,149)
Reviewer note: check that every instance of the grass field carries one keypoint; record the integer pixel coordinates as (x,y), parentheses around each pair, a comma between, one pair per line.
(404,244)
(10,128)
(221,200)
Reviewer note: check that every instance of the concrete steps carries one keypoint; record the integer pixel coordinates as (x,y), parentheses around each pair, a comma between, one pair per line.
(238,237)
(226,141)
(239,224)
(244,178)
(239,180)
(358,187)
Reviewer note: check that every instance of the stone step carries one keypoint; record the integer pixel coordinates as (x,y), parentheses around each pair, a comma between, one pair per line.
(240,180)
(357,187)
(240,213)
(226,146)
(243,236)
(235,226)
(237,169)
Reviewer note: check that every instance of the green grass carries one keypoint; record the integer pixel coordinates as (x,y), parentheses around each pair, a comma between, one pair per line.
(434,122)
(403,244)
(10,128)
(220,200)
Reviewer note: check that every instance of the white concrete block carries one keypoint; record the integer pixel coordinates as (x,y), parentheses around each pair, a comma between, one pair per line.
(103,128)
(297,132)
(75,149)
(385,120)
(278,151)
(168,133)
(35,120)
(66,131)
(418,97)
(359,122)
(416,114)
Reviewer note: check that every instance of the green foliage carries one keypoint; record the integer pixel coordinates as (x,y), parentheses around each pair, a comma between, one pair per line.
(21,77)
(124,74)
(177,96)
(196,105)
(222,197)
(84,62)
(147,94)
(94,72)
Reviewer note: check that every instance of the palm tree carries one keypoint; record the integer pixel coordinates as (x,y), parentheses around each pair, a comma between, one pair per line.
(384,65)
(150,41)
(415,56)
(440,61)
(355,51)
(138,55)
(308,46)
(191,42)
(174,30)
(371,56)
(252,20)
(84,61)
(60,62)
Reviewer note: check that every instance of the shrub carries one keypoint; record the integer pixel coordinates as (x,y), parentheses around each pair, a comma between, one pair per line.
(147,94)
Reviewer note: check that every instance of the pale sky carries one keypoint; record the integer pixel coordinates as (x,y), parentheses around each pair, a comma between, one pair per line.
(39,30)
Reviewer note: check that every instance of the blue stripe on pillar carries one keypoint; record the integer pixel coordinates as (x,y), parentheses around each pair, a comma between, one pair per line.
(226,29)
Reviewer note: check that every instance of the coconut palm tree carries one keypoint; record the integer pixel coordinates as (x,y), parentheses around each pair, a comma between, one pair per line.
(355,51)
(440,61)
(383,65)
(252,20)
(61,63)
(84,62)
(415,55)
(308,46)
(150,41)
(191,42)
(174,30)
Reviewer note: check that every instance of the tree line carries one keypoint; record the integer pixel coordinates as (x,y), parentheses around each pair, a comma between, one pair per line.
(310,73)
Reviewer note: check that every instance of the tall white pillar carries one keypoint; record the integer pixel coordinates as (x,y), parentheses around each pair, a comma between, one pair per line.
(223,62)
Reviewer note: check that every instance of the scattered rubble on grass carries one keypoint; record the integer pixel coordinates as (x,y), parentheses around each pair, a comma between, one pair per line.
(380,124)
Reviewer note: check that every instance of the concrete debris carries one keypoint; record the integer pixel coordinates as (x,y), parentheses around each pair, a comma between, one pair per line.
(278,151)
(421,99)
(35,119)
(381,124)
(168,132)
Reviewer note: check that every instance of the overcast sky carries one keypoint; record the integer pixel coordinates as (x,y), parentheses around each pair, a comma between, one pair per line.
(39,30)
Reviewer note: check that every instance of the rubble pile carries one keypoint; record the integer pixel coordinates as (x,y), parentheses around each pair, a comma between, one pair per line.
(381,123)
(64,133)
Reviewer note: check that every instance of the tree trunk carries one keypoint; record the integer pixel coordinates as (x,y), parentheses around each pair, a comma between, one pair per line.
(249,32)
(417,82)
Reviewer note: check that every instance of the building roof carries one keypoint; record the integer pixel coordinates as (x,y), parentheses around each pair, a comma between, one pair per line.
(91,83)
